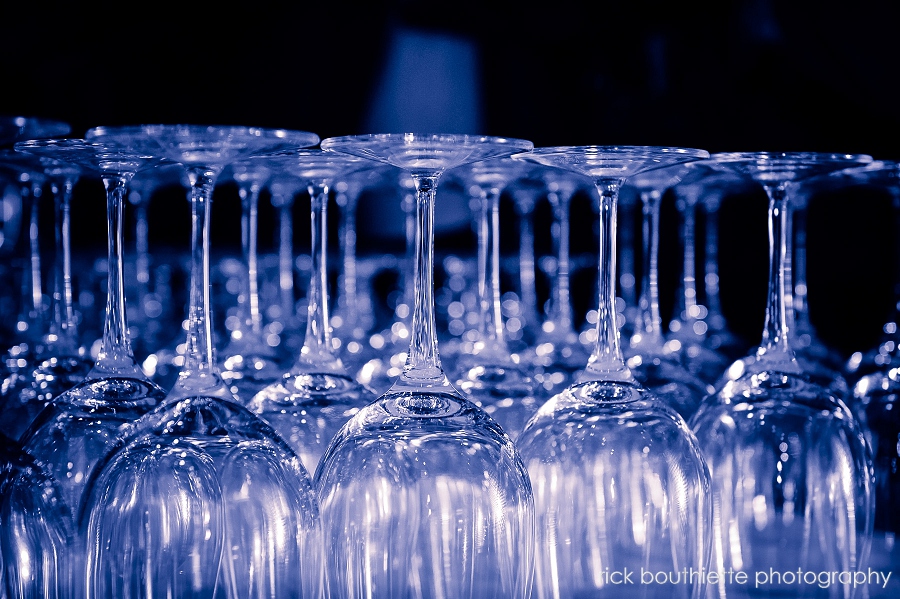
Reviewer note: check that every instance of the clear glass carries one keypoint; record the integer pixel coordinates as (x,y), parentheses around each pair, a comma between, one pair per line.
(19,128)
(619,480)
(526,193)
(311,402)
(877,397)
(353,317)
(69,436)
(493,377)
(687,330)
(392,345)
(650,361)
(50,357)
(247,519)
(791,470)
(559,354)
(250,364)
(284,188)
(422,493)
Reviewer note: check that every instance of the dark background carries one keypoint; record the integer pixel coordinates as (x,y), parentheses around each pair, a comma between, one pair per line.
(723,76)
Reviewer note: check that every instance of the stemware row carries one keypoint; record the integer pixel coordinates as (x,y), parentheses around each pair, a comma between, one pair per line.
(420,492)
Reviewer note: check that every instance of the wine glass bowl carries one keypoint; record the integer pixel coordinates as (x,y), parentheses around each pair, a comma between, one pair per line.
(422,494)
(619,479)
(791,470)
(199,446)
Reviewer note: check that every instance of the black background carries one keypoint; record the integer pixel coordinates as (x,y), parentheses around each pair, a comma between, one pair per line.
(723,76)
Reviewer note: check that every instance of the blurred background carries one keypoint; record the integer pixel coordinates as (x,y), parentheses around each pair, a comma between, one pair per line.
(724,76)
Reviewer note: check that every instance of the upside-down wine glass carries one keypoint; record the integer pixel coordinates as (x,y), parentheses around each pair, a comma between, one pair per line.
(250,364)
(719,337)
(650,361)
(813,367)
(312,401)
(791,470)
(68,436)
(246,522)
(687,330)
(877,394)
(55,360)
(353,318)
(495,378)
(619,481)
(559,354)
(525,194)
(422,494)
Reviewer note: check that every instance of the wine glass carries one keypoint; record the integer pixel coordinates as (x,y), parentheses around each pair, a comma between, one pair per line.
(317,396)
(246,518)
(876,394)
(50,357)
(619,481)
(791,470)
(70,434)
(495,379)
(815,366)
(687,330)
(525,194)
(422,494)
(250,364)
(651,362)
(18,128)
(353,316)
(559,353)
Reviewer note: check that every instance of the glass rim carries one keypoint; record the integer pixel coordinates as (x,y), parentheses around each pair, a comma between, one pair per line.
(412,139)
(616,151)
(307,137)
(789,158)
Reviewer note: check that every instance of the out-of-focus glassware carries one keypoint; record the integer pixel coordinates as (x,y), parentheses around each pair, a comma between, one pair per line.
(69,436)
(688,328)
(492,376)
(353,317)
(525,194)
(650,361)
(422,493)
(559,355)
(877,398)
(56,359)
(18,128)
(311,402)
(791,470)
(250,364)
(392,345)
(245,519)
(618,477)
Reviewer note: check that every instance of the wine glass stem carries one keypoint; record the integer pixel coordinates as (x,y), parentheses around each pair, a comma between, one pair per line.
(423,365)
(200,372)
(317,348)
(64,312)
(491,328)
(115,353)
(350,301)
(526,264)
(561,307)
(690,269)
(606,362)
(651,332)
(711,265)
(286,258)
(409,293)
(36,291)
(142,248)
(250,318)
(775,346)
(800,306)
